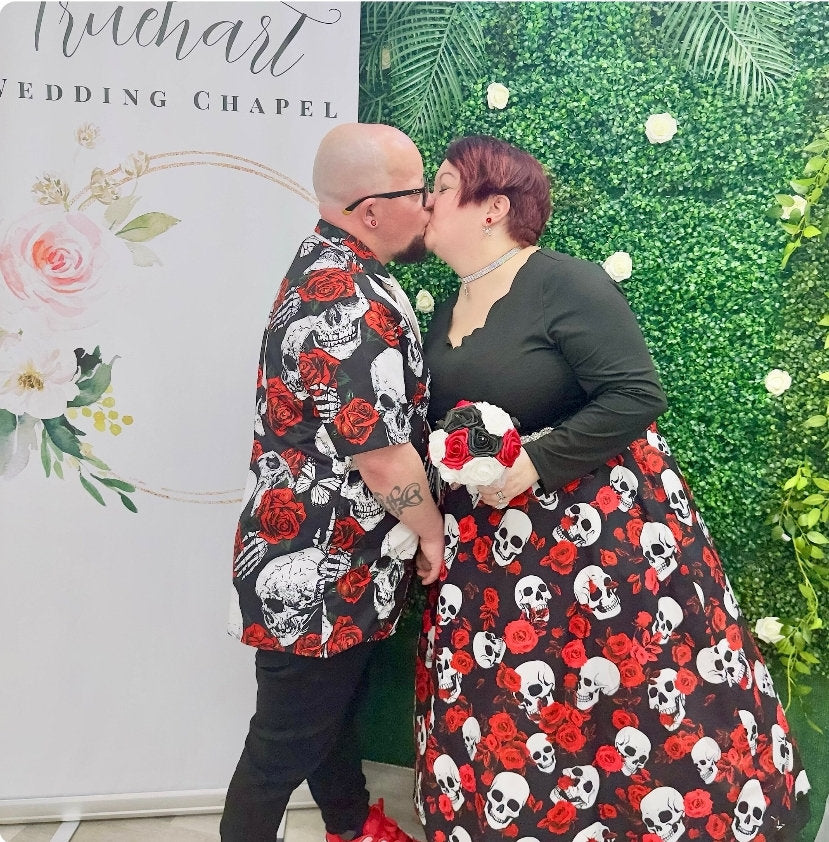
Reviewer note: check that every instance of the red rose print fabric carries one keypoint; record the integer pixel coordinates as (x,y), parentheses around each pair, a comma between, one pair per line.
(585,673)
(341,371)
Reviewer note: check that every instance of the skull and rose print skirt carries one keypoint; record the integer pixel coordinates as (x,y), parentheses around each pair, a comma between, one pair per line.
(584,673)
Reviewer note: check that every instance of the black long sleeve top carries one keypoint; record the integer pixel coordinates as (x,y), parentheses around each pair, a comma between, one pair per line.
(561,349)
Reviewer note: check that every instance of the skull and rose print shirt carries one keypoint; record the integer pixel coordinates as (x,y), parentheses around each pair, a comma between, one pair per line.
(319,565)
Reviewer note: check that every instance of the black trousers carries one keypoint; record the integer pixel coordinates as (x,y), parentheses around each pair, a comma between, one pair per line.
(303,729)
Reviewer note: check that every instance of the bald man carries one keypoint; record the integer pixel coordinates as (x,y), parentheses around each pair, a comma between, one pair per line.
(337,500)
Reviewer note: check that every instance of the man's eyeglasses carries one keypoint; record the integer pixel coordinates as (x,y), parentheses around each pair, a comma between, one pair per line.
(424,195)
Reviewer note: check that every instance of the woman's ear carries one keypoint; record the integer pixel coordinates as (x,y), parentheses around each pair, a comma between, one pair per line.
(498,207)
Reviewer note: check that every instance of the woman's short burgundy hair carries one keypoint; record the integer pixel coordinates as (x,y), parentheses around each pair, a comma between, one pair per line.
(489,166)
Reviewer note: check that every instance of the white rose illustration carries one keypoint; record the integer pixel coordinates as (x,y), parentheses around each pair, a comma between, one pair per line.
(497,95)
(798,203)
(424,303)
(437,445)
(619,266)
(37,381)
(769,629)
(777,381)
(660,128)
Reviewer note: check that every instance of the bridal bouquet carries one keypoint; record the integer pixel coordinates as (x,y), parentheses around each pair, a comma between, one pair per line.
(476,442)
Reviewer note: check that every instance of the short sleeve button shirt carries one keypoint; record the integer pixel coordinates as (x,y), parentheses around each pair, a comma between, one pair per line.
(319,565)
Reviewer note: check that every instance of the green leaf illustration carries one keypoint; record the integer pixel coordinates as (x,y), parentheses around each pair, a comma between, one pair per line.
(143,256)
(91,489)
(95,377)
(119,210)
(119,484)
(64,435)
(45,456)
(8,423)
(128,504)
(146,226)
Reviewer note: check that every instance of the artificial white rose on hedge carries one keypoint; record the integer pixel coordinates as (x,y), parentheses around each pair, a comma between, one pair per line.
(777,381)
(424,303)
(497,95)
(798,203)
(660,128)
(619,266)
(769,629)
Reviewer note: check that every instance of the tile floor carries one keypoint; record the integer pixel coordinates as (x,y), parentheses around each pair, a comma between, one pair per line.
(391,783)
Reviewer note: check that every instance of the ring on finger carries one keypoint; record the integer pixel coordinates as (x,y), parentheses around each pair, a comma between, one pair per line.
(501,498)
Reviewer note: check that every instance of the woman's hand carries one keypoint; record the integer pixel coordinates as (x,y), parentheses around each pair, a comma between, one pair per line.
(515,480)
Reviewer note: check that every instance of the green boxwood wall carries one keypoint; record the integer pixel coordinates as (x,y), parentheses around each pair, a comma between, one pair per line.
(715,308)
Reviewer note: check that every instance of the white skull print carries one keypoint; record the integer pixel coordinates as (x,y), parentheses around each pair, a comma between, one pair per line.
(512,534)
(720,664)
(668,616)
(541,752)
(634,748)
(449,679)
(448,777)
(624,482)
(583,789)
(337,329)
(532,597)
(781,750)
(763,678)
(488,649)
(660,549)
(390,387)
(458,834)
(421,734)
(364,507)
(538,683)
(658,441)
(507,795)
(596,832)
(663,812)
(749,811)
(665,697)
(451,537)
(677,496)
(471,731)
(705,754)
(582,525)
(597,675)
(547,500)
(596,591)
(387,574)
(288,587)
(750,724)
(291,347)
(273,473)
(450,600)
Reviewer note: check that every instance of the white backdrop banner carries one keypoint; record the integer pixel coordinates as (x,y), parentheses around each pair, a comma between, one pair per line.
(155,180)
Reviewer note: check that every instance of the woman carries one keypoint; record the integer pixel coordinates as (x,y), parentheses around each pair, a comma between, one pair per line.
(584,670)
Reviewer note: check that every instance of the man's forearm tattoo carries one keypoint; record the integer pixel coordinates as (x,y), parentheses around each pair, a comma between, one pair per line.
(398,499)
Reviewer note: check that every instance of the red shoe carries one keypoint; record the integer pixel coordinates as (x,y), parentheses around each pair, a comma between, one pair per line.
(378,827)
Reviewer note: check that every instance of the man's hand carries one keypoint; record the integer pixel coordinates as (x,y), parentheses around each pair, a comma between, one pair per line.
(429,560)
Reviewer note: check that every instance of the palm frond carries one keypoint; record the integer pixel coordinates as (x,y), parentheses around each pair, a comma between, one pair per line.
(743,41)
(416,59)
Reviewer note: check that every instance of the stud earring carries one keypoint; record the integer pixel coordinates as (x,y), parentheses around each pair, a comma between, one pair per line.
(373,223)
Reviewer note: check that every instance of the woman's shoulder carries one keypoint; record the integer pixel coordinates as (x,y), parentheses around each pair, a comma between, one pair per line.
(557,265)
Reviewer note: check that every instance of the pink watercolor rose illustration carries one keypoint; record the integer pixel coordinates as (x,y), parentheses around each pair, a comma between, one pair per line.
(51,261)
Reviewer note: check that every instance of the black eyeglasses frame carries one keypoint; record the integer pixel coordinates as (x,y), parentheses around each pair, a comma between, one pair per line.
(395,194)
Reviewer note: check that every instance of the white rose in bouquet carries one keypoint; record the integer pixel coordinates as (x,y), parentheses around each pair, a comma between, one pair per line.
(660,128)
(482,470)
